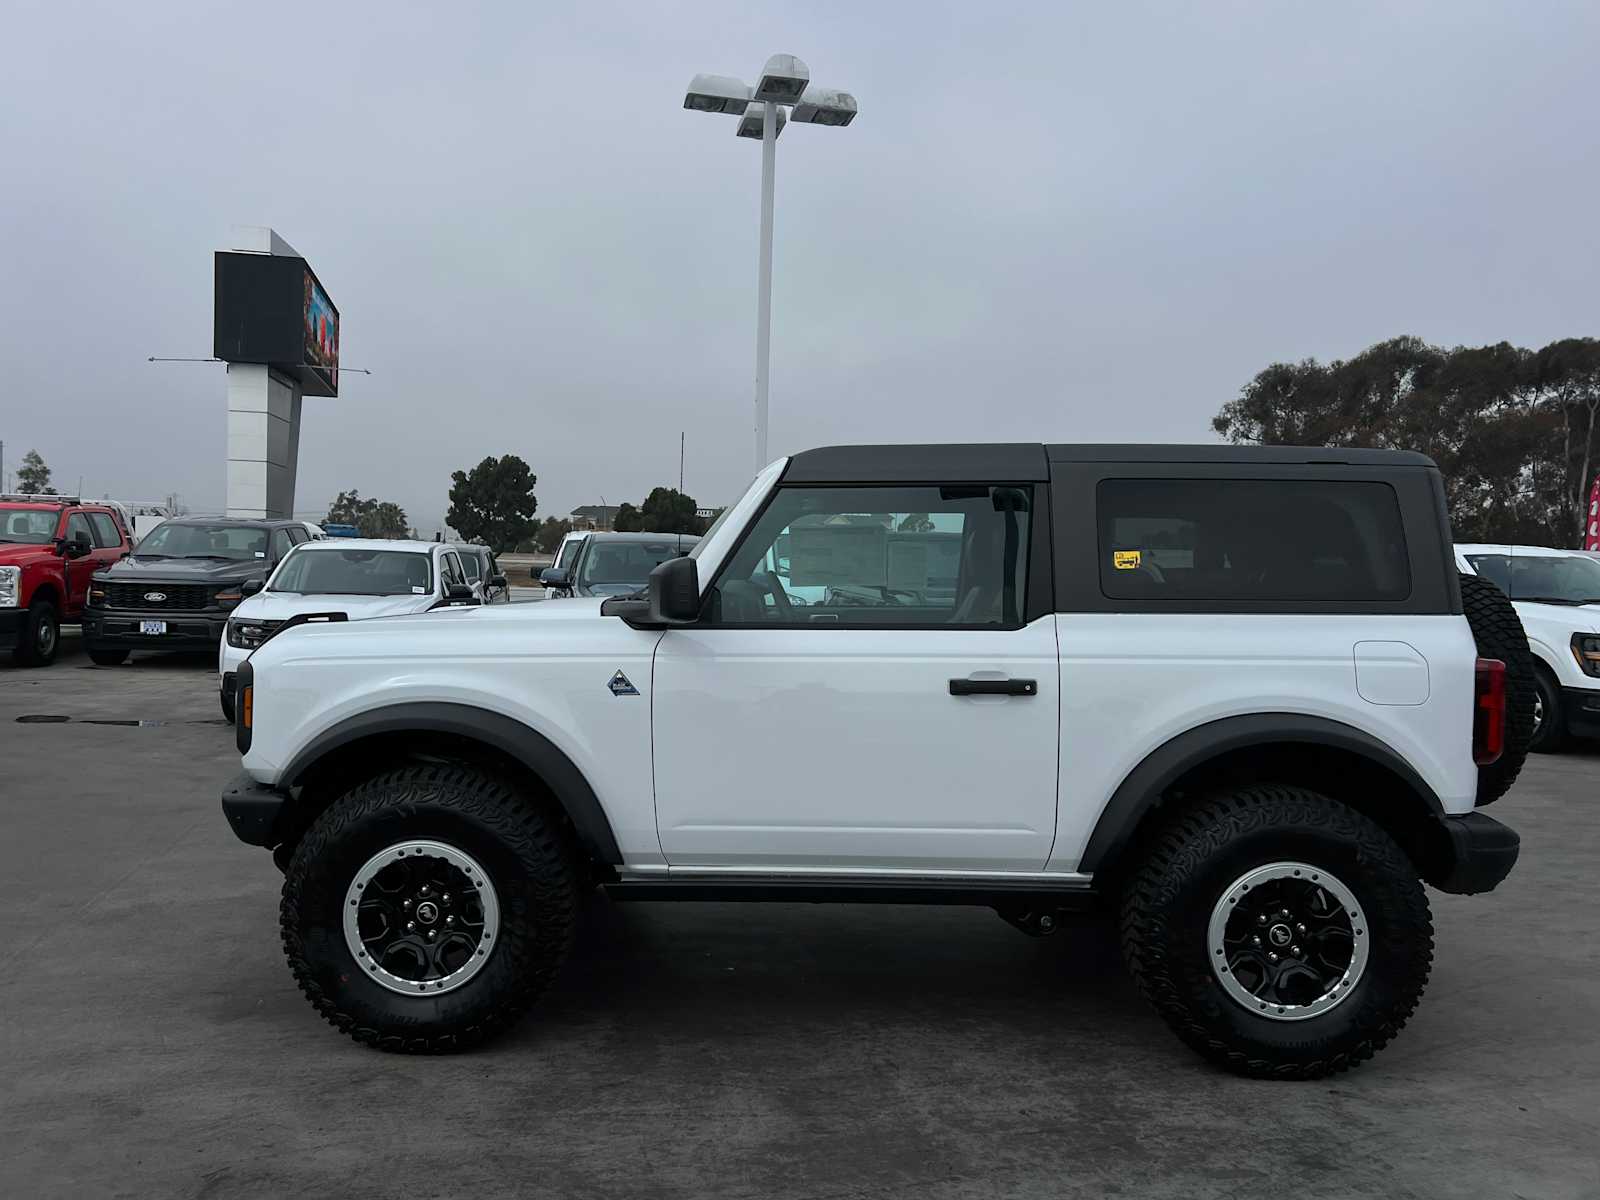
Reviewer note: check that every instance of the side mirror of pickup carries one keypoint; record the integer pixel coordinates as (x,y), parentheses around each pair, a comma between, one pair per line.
(556,577)
(499,582)
(459,593)
(251,586)
(76,547)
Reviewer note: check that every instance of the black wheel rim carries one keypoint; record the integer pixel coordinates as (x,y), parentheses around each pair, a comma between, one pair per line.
(421,916)
(1288,941)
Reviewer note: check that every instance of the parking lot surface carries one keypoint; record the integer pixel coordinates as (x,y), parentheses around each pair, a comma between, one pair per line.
(154,1043)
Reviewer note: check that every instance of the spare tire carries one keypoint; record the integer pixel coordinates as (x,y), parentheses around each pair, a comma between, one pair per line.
(1498,631)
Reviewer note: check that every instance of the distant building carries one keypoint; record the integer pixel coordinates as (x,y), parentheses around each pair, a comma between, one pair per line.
(593,516)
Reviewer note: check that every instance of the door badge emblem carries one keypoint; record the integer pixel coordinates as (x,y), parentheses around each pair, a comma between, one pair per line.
(620,686)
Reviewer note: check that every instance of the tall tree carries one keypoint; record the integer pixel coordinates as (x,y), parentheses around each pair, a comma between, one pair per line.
(371,517)
(494,503)
(1513,430)
(627,519)
(667,510)
(33,476)
(551,531)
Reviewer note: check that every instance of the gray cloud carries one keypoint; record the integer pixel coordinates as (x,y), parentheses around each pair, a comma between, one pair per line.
(1049,222)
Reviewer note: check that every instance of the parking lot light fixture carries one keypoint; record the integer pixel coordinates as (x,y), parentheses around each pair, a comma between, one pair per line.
(785,82)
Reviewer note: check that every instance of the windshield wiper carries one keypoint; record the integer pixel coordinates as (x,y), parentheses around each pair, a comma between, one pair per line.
(148,554)
(216,557)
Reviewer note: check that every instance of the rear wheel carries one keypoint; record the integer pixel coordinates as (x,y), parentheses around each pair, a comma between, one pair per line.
(428,908)
(108,658)
(40,639)
(1278,932)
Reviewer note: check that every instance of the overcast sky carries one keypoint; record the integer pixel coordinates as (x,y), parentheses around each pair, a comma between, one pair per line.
(1062,221)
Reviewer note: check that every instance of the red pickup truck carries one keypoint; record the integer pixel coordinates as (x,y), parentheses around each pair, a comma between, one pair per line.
(50,547)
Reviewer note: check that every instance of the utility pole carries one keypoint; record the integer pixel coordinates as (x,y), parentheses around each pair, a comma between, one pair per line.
(680,462)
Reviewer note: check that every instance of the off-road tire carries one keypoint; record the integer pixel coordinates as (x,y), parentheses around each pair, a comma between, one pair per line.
(525,849)
(108,658)
(1499,634)
(40,639)
(1552,734)
(1198,854)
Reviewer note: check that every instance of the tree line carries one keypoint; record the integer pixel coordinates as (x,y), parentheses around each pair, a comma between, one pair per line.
(1514,431)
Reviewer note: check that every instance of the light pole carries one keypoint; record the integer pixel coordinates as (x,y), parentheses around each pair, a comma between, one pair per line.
(785,83)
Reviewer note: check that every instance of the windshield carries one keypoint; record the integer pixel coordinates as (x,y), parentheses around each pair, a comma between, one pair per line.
(1547,578)
(173,539)
(626,566)
(33,525)
(354,572)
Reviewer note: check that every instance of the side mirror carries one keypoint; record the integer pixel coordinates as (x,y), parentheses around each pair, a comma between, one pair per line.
(675,592)
(251,586)
(556,577)
(456,592)
(77,547)
(499,581)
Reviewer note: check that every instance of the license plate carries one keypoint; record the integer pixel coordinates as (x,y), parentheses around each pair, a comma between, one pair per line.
(152,626)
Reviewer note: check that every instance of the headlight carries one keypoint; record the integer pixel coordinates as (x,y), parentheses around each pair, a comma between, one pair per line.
(1586,649)
(10,585)
(247,635)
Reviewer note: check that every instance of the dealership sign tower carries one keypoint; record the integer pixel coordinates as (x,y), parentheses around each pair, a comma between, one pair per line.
(279,334)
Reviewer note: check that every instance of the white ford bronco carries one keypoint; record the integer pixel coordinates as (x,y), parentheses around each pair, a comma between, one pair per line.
(1238,696)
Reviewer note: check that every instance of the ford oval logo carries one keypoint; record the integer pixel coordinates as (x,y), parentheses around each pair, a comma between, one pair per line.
(155,597)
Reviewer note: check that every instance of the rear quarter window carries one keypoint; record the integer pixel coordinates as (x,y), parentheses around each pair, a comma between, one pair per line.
(1213,541)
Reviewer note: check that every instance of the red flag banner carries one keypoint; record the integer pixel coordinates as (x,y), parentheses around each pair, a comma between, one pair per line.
(1591,529)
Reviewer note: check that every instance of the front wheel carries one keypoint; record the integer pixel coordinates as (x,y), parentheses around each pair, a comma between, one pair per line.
(41,635)
(1278,932)
(428,907)
(1549,715)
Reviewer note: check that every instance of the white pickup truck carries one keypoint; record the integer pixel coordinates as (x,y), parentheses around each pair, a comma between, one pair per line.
(1238,696)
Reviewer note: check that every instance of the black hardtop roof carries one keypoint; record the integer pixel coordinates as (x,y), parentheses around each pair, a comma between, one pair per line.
(1030,461)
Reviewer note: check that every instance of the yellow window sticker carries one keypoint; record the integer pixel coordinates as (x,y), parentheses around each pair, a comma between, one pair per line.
(1125,560)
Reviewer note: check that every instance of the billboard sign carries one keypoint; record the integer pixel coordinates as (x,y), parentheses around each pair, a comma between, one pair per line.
(272,309)
(1591,527)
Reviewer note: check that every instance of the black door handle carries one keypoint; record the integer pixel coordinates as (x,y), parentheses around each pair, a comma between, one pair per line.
(994,687)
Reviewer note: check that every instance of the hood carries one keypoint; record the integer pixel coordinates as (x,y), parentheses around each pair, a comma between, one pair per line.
(280,606)
(15,554)
(1581,618)
(185,570)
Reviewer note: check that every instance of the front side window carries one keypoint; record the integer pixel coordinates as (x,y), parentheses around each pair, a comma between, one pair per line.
(569,552)
(469,564)
(176,539)
(1543,578)
(882,556)
(105,530)
(280,543)
(78,529)
(1221,540)
(354,572)
(452,570)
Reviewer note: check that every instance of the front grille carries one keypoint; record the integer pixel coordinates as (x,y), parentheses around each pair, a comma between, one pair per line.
(179,597)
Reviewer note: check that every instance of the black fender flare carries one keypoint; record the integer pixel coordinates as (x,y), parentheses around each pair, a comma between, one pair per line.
(1141,790)
(505,734)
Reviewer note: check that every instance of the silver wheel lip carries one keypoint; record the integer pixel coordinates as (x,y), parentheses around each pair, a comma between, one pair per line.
(422,848)
(1240,888)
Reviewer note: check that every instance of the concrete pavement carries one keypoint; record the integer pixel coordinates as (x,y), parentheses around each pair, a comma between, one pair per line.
(154,1043)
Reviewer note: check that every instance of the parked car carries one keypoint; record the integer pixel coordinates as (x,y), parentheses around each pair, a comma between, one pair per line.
(335,529)
(1557,595)
(50,548)
(615,564)
(1238,695)
(484,573)
(175,591)
(356,578)
(316,531)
